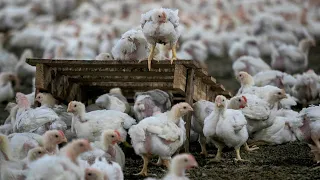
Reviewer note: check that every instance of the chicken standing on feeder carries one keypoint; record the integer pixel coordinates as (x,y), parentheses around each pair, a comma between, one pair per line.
(161,26)
(131,46)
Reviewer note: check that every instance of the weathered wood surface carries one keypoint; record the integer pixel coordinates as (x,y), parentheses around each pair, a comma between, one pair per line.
(124,74)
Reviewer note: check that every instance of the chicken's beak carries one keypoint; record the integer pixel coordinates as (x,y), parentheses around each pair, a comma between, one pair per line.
(190,109)
(64,140)
(70,109)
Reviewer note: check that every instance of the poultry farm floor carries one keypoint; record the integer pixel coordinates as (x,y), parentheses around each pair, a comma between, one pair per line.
(288,161)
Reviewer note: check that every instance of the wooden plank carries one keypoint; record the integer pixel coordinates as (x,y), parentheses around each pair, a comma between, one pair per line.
(89,78)
(43,77)
(131,85)
(120,63)
(180,77)
(59,87)
(199,89)
(189,99)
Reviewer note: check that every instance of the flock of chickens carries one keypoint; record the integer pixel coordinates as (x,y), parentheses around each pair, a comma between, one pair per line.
(245,31)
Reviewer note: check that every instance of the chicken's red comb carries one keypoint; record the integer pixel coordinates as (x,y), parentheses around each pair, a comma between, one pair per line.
(61,133)
(244,98)
(118,133)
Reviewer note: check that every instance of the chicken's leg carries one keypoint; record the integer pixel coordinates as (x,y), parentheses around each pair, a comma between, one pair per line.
(166,163)
(203,145)
(238,157)
(316,141)
(144,171)
(174,53)
(249,149)
(218,155)
(150,58)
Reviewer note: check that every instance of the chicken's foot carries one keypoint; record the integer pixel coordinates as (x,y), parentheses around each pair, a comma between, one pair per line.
(218,157)
(203,146)
(238,157)
(150,58)
(144,171)
(249,149)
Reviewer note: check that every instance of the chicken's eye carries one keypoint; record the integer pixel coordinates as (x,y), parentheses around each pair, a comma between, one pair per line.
(186,160)
(239,100)
(56,136)
(112,136)
(39,152)
(184,107)
(240,75)
(89,174)
(159,16)
(279,93)
(75,105)
(80,144)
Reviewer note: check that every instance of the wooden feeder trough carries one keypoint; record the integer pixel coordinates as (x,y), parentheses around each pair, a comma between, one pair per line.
(85,80)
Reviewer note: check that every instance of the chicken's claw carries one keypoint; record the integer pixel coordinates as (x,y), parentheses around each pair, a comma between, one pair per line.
(250,149)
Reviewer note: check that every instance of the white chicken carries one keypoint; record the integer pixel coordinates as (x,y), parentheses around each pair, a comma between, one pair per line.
(225,127)
(179,164)
(107,147)
(246,46)
(25,71)
(90,125)
(113,101)
(307,88)
(131,46)
(47,100)
(6,88)
(21,143)
(32,120)
(247,87)
(160,135)
(292,59)
(275,78)
(202,109)
(110,169)
(104,56)
(161,26)
(250,65)
(62,166)
(12,169)
(94,174)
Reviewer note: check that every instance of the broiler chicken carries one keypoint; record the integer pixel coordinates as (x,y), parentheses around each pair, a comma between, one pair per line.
(249,64)
(6,88)
(160,135)
(292,59)
(226,127)
(113,101)
(11,169)
(64,166)
(110,169)
(161,26)
(151,102)
(21,143)
(94,174)
(32,120)
(131,46)
(247,87)
(202,109)
(25,71)
(90,125)
(107,147)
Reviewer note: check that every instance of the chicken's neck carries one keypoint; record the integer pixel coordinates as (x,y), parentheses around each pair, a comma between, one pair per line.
(232,105)
(273,103)
(80,116)
(176,170)
(174,115)
(49,146)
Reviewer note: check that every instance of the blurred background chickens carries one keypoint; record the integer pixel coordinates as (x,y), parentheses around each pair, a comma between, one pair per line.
(264,51)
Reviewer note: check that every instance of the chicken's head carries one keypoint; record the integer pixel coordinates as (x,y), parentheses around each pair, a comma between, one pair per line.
(221,101)
(76,107)
(79,146)
(36,153)
(182,162)
(7,76)
(55,137)
(95,174)
(239,101)
(111,137)
(159,16)
(244,78)
(182,108)
(277,95)
(45,98)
